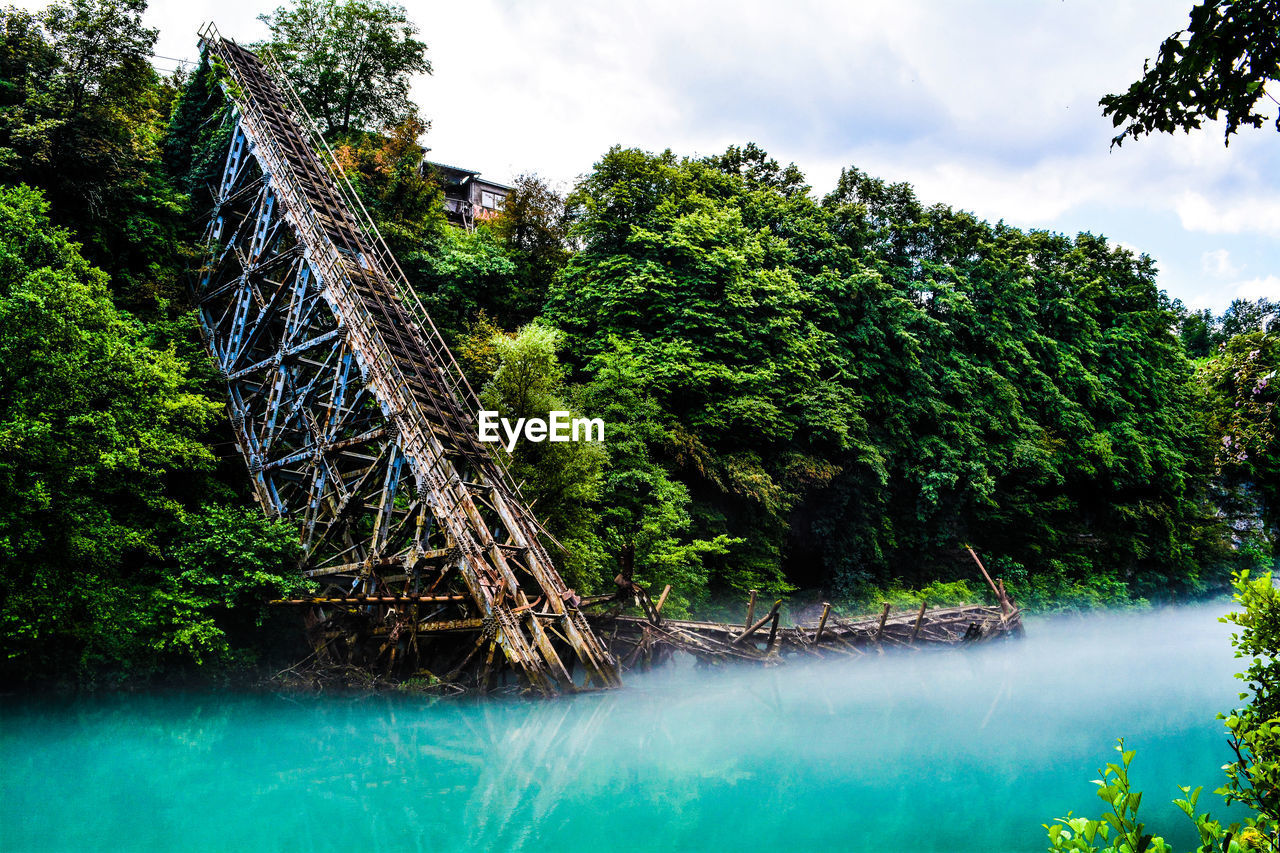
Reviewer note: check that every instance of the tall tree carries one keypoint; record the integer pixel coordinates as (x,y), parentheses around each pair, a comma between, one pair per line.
(535,229)
(351,60)
(563,478)
(103,562)
(1218,66)
(103,47)
(81,116)
(386,170)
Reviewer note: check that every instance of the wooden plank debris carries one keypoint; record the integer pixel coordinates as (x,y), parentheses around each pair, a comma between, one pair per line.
(644,641)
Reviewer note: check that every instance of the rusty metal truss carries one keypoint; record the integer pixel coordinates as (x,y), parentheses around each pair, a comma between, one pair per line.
(358,426)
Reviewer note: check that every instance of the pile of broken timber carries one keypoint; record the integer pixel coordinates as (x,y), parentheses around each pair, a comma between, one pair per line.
(643,641)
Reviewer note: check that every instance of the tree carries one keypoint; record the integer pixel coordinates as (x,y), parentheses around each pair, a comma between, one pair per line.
(563,478)
(81,116)
(27,60)
(677,265)
(103,48)
(644,518)
(385,168)
(1025,394)
(351,60)
(197,136)
(1197,329)
(1218,66)
(534,227)
(104,565)
(856,389)
(93,425)
(1243,317)
(760,171)
(1240,402)
(459,274)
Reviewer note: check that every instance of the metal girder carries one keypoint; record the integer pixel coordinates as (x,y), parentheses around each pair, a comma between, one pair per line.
(354,419)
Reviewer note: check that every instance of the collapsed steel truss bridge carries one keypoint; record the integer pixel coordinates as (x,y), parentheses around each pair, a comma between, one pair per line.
(358,425)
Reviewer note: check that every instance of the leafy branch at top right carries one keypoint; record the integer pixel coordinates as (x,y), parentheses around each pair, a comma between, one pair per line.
(1218,67)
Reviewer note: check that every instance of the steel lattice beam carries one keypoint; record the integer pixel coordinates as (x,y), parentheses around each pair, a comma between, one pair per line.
(357,424)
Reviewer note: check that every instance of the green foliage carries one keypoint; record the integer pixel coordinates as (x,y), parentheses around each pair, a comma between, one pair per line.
(869,383)
(797,392)
(1203,334)
(1038,402)
(1252,779)
(1242,317)
(1048,593)
(1218,66)
(104,568)
(563,477)
(644,520)
(458,274)
(902,597)
(707,307)
(94,420)
(1039,593)
(386,171)
(760,171)
(93,424)
(82,114)
(534,228)
(350,60)
(1196,331)
(230,561)
(1240,402)
(615,510)
(1239,379)
(195,145)
(1119,829)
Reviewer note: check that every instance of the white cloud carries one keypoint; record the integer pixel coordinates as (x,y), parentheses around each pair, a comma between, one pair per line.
(1218,264)
(1233,215)
(1217,298)
(1213,302)
(1121,244)
(1267,287)
(990,107)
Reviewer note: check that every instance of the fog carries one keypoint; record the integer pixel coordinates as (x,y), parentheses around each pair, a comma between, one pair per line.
(934,750)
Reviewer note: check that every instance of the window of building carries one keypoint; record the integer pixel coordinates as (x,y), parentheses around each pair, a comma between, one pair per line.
(490,200)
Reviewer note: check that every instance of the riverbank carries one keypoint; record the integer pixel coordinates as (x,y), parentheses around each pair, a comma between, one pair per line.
(281,670)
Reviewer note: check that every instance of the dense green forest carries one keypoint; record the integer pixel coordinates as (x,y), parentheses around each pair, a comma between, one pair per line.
(807,392)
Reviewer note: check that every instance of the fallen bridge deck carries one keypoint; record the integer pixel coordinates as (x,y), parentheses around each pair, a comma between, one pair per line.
(643,641)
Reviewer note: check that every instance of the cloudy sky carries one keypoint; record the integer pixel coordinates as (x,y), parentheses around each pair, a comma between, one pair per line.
(988,106)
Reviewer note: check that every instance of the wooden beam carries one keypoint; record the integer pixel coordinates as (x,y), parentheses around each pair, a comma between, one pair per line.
(915,632)
(449,625)
(350,568)
(751,629)
(373,599)
(662,599)
(884,614)
(822,623)
(1001,598)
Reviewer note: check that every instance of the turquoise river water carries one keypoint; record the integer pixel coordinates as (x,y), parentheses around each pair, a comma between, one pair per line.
(948,751)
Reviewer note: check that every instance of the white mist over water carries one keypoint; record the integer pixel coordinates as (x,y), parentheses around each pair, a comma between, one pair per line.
(956,750)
